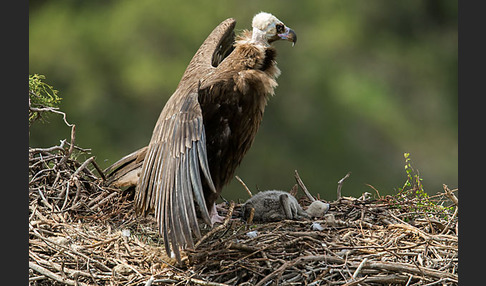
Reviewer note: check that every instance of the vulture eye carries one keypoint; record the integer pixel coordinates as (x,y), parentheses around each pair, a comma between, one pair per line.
(280,28)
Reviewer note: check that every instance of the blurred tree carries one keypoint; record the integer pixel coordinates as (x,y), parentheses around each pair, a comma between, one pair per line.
(366,82)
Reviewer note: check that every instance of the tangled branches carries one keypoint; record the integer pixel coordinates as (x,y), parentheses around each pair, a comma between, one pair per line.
(363,241)
(85,233)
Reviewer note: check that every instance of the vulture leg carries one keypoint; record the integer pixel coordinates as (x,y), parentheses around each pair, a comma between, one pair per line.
(214,216)
(285,203)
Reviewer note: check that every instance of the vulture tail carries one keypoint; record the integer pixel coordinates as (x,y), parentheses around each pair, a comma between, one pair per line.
(125,172)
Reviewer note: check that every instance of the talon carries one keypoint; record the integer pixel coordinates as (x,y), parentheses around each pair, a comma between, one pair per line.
(214,216)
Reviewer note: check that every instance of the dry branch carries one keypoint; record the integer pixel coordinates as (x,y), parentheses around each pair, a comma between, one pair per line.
(303,187)
(450,195)
(54,276)
(340,185)
(244,185)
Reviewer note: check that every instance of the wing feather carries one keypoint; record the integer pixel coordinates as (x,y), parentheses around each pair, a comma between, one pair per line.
(176,160)
(171,178)
(165,192)
(203,160)
(189,197)
(217,46)
(196,184)
(180,192)
(121,172)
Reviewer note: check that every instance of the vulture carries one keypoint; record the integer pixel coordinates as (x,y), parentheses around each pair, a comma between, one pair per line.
(204,129)
(273,205)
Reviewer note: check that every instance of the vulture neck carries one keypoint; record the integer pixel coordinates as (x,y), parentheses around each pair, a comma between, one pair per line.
(259,37)
(256,56)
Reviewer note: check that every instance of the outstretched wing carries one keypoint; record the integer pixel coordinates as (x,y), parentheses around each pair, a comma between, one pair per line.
(176,160)
(170,180)
(217,46)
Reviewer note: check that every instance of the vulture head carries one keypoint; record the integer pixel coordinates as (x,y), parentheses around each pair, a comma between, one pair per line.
(267,29)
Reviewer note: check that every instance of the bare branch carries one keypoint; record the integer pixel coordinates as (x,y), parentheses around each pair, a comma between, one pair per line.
(340,185)
(302,186)
(244,185)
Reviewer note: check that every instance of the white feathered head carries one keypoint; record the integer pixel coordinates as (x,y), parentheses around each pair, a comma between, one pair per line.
(267,29)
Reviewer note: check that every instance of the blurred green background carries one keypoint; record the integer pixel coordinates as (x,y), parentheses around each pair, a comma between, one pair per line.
(366,82)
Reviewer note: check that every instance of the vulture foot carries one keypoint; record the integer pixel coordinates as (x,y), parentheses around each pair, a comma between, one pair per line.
(214,216)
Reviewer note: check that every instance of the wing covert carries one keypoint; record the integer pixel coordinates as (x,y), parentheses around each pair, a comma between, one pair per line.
(217,46)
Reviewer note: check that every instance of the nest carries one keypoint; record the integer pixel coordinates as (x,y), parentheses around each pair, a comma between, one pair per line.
(82,232)
(360,241)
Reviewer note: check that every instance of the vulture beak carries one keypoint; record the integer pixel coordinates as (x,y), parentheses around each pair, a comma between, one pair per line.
(289,35)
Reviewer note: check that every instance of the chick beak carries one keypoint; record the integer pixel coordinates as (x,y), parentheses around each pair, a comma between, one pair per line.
(289,35)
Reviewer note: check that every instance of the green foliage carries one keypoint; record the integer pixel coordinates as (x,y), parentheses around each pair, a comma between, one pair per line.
(41,96)
(413,197)
(413,181)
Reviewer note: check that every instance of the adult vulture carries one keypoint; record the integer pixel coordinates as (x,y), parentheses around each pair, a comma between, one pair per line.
(205,129)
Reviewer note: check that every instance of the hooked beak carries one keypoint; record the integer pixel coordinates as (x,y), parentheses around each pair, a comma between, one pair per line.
(288,35)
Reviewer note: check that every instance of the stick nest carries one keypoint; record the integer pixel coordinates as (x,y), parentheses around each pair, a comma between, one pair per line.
(82,232)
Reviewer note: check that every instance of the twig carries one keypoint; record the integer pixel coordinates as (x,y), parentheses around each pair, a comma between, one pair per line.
(50,149)
(355,282)
(219,227)
(78,191)
(302,186)
(377,192)
(450,195)
(84,165)
(242,247)
(68,183)
(389,266)
(421,233)
(150,281)
(103,201)
(84,150)
(255,251)
(355,274)
(59,267)
(71,147)
(53,110)
(409,280)
(389,279)
(284,266)
(54,276)
(98,169)
(37,234)
(244,185)
(399,267)
(197,281)
(446,228)
(340,185)
(264,255)
(91,273)
(42,277)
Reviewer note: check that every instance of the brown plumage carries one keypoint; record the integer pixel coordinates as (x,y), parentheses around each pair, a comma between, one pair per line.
(205,129)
